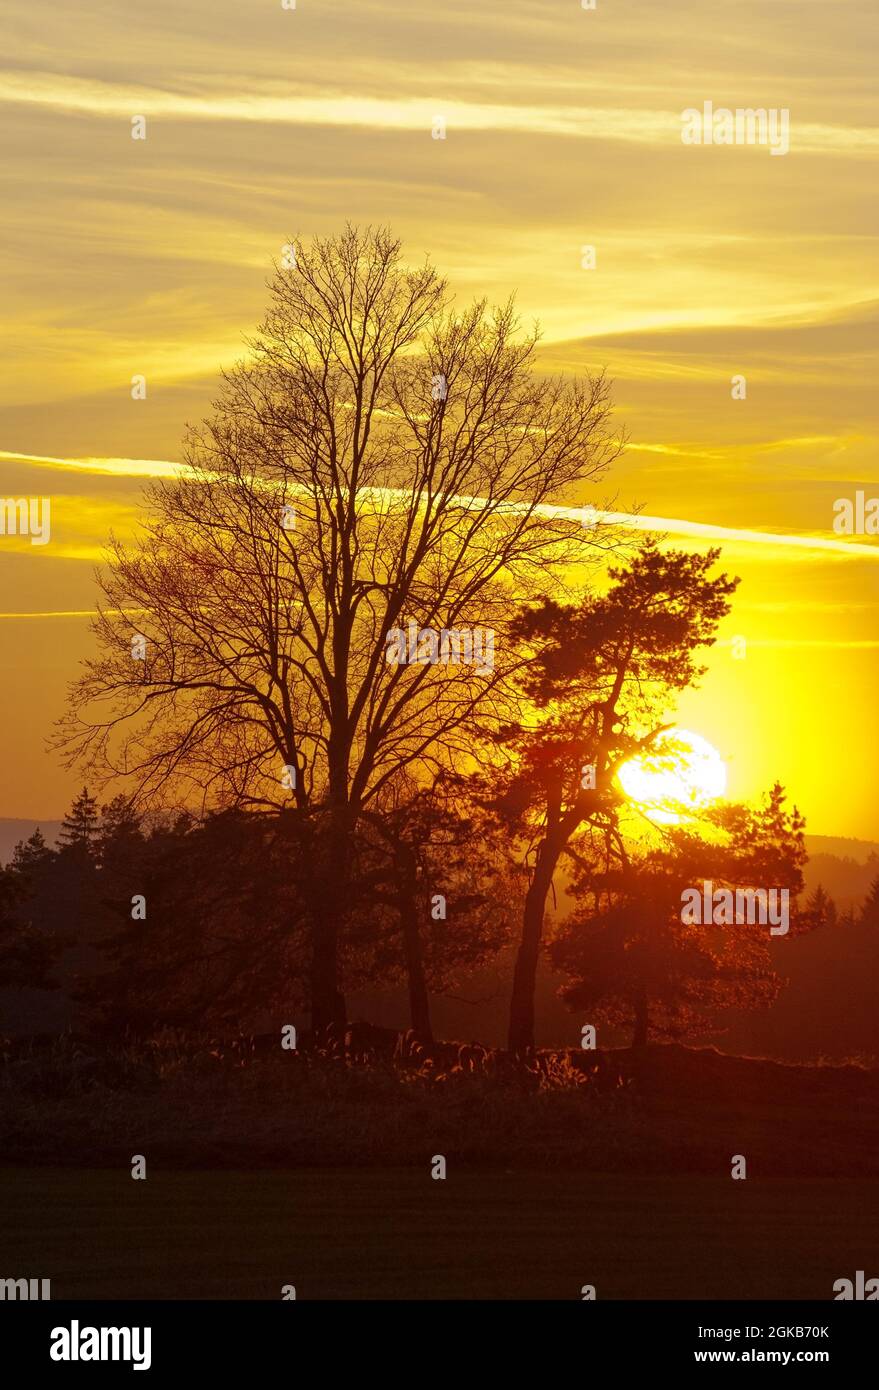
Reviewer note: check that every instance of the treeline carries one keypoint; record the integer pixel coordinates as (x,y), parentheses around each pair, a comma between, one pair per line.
(168,921)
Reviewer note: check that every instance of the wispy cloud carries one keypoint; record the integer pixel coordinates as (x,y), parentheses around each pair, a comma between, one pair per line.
(653,126)
(708,532)
(74,613)
(115,467)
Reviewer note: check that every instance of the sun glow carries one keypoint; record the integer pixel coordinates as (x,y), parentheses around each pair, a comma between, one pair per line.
(674,782)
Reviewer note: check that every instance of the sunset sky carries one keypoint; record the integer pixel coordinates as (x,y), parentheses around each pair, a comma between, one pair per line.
(563,130)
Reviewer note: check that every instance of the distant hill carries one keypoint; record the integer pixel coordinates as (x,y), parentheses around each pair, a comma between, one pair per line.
(844,868)
(859,850)
(846,882)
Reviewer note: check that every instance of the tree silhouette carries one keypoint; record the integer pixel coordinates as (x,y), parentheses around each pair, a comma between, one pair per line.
(216,948)
(31,854)
(822,907)
(632,958)
(602,675)
(28,949)
(120,832)
(440,869)
(379,461)
(870,905)
(79,829)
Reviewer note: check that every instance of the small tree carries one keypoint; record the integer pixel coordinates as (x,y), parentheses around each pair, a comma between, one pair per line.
(439,869)
(870,905)
(632,957)
(79,829)
(28,947)
(822,908)
(121,831)
(31,855)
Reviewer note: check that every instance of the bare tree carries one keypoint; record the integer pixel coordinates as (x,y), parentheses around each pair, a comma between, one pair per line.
(379,465)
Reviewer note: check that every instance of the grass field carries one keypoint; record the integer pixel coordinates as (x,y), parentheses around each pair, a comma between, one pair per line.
(398,1234)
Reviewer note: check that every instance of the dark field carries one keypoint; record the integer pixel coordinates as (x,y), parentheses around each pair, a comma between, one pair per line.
(401,1235)
(319,1176)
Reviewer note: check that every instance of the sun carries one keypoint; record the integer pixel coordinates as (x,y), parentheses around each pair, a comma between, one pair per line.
(670,785)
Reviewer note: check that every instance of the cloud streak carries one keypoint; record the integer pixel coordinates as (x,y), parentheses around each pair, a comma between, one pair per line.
(708,532)
(638,125)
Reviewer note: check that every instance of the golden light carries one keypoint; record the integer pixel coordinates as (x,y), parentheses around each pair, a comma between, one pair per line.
(669,785)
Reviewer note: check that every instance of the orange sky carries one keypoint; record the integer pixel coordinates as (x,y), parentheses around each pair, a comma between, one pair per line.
(563,130)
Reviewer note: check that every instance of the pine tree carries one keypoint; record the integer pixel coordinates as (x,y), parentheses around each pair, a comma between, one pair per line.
(870,909)
(822,908)
(119,834)
(632,959)
(27,949)
(31,853)
(80,826)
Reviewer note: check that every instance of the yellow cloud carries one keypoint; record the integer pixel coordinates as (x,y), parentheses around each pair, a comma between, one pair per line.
(340,108)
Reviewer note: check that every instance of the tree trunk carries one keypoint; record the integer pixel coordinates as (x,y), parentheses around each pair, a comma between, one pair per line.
(521,1030)
(419,1000)
(327,1001)
(639,1038)
(406,875)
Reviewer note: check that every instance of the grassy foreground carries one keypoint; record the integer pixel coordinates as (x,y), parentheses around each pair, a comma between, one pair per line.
(398,1234)
(318,1175)
(668,1110)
